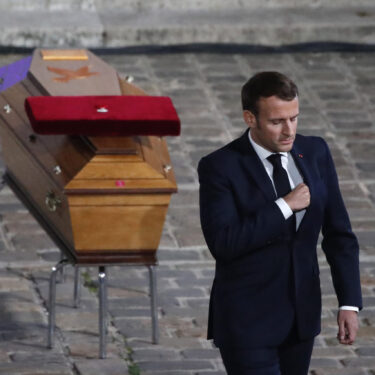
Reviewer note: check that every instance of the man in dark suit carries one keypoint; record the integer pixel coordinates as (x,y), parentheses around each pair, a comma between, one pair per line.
(264,198)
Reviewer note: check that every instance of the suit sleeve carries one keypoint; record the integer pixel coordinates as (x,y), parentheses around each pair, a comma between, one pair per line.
(228,233)
(339,243)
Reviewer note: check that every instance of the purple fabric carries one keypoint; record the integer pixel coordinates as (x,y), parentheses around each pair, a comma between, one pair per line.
(14,73)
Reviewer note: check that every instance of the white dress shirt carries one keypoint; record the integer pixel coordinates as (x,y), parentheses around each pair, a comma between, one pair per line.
(295,178)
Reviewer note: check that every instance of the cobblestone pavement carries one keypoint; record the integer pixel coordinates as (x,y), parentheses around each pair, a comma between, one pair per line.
(337,102)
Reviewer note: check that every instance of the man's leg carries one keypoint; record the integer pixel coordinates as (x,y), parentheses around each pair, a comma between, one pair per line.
(294,356)
(250,361)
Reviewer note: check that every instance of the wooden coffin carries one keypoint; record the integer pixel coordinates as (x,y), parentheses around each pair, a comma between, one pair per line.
(102,199)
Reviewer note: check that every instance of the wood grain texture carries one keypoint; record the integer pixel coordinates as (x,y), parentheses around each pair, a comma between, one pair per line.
(103,171)
(108,257)
(32,143)
(116,158)
(120,227)
(37,184)
(110,187)
(115,145)
(119,200)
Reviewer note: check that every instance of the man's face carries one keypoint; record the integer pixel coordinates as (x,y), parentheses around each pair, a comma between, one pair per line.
(276,125)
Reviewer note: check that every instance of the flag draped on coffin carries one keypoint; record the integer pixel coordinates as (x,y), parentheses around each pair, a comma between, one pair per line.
(14,73)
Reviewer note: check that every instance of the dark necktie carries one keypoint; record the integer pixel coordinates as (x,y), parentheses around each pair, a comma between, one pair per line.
(282,185)
(280,176)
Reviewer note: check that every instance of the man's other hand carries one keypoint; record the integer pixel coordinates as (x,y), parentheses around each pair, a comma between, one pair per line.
(298,198)
(348,326)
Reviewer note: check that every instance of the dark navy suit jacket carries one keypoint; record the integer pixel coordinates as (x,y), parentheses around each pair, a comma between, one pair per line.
(265,279)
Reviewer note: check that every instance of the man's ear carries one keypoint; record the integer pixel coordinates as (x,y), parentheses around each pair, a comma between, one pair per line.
(250,119)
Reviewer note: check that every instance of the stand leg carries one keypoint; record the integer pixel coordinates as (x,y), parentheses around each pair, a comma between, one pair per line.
(2,182)
(77,287)
(154,307)
(52,301)
(61,278)
(102,312)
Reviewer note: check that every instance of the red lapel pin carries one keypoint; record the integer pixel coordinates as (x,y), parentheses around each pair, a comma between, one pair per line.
(300,155)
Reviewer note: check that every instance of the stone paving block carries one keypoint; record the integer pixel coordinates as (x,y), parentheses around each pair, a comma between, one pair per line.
(366,351)
(183,312)
(324,363)
(342,125)
(175,365)
(334,352)
(27,256)
(2,245)
(30,344)
(113,366)
(189,236)
(368,362)
(16,332)
(177,342)
(369,300)
(178,292)
(167,241)
(204,131)
(197,332)
(133,327)
(43,358)
(201,319)
(64,292)
(12,284)
(178,254)
(339,371)
(197,121)
(177,324)
(26,227)
(78,321)
(155,354)
(201,353)
(200,282)
(118,292)
(136,284)
(363,225)
(198,303)
(4,357)
(86,345)
(32,241)
(17,319)
(169,272)
(34,369)
(120,303)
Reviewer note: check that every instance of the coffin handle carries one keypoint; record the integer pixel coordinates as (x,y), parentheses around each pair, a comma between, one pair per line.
(52,201)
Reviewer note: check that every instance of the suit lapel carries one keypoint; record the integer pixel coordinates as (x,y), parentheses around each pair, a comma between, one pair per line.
(300,161)
(255,167)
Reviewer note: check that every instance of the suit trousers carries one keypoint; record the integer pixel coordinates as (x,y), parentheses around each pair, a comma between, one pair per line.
(292,357)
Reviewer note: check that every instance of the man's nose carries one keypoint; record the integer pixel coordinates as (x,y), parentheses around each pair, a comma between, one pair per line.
(288,127)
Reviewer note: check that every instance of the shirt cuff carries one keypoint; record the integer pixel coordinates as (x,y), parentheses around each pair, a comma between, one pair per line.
(351,308)
(284,207)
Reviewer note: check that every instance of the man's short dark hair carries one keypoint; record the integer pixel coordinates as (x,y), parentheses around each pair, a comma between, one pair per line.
(266,84)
